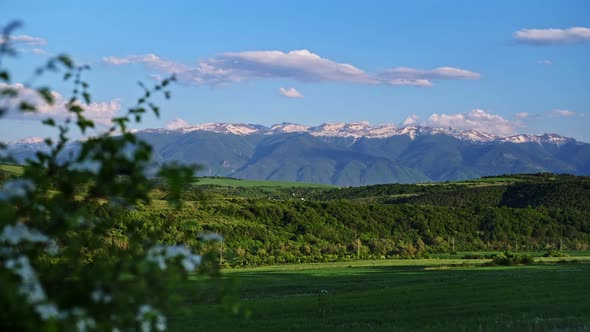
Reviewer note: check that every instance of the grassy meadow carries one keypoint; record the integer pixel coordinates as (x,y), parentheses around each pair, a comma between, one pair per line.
(396,295)
(13,169)
(231,182)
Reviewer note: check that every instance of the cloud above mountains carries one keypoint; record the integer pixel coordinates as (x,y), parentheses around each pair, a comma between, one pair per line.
(290,93)
(540,37)
(299,65)
(562,113)
(99,112)
(476,119)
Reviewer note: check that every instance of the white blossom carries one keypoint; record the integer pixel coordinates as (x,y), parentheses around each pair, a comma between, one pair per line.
(30,286)
(161,323)
(83,322)
(145,313)
(159,254)
(98,295)
(16,188)
(146,326)
(47,311)
(52,248)
(15,234)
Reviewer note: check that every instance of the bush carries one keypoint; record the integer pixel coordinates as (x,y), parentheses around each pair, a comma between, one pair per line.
(63,267)
(508,258)
(555,253)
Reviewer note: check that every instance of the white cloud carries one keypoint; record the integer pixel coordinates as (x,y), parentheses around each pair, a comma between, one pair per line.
(177,124)
(411,120)
(545,62)
(521,115)
(552,36)
(415,77)
(299,65)
(39,51)
(100,112)
(476,119)
(25,40)
(27,44)
(151,61)
(562,113)
(290,93)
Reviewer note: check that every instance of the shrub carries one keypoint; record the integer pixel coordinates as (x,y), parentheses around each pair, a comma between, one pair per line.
(555,253)
(508,258)
(63,267)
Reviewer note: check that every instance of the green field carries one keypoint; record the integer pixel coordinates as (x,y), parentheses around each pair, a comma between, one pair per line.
(396,295)
(231,182)
(16,169)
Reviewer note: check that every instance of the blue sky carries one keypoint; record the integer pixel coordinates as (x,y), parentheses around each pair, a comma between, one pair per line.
(503,67)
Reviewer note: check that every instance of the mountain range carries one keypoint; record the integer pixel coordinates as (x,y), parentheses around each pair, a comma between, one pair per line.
(352,154)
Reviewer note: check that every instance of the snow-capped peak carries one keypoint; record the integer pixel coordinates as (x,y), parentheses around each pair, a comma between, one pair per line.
(287,127)
(544,138)
(225,128)
(30,140)
(365,130)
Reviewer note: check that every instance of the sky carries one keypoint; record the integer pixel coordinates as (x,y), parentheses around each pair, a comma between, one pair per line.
(502,67)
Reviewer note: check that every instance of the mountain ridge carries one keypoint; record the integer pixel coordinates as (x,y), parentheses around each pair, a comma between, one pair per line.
(364,129)
(353,154)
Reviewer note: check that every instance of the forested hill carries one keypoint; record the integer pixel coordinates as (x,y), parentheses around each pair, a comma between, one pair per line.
(276,224)
(516,191)
(268,223)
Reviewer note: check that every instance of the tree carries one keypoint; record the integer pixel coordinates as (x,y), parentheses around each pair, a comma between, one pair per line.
(62,266)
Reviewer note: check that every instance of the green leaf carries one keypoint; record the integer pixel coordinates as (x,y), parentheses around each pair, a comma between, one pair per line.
(49,122)
(66,61)
(75,109)
(155,109)
(8,92)
(4,76)
(26,107)
(86,97)
(46,94)
(67,76)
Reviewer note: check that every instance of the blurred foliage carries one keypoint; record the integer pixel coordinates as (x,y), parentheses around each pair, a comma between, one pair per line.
(64,263)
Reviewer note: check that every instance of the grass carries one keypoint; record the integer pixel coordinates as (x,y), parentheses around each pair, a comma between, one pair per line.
(16,169)
(230,182)
(395,295)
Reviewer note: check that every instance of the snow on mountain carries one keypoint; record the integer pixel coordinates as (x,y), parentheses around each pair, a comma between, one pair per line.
(225,128)
(287,127)
(29,143)
(354,130)
(364,129)
(29,140)
(545,138)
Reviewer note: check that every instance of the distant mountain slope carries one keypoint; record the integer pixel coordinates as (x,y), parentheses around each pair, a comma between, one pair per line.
(356,153)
